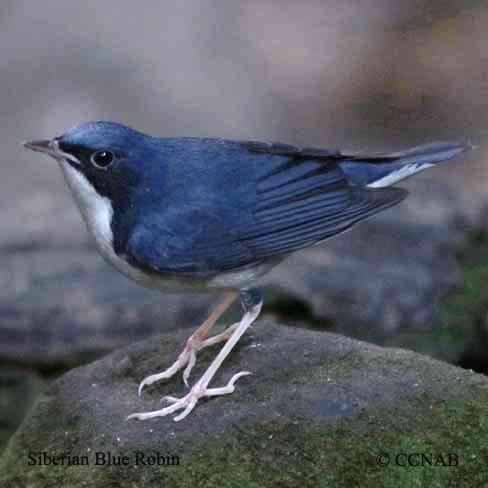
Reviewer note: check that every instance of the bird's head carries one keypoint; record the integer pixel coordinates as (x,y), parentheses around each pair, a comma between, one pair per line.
(104,155)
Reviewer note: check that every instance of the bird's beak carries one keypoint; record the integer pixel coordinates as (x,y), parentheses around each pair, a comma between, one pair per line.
(51,148)
(45,146)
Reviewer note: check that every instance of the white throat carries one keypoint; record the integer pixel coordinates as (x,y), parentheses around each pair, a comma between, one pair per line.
(96,210)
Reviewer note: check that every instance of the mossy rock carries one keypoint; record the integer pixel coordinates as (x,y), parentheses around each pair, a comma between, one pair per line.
(321,410)
(19,388)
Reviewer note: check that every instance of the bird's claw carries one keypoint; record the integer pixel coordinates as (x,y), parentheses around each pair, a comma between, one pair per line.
(187,356)
(188,402)
(192,359)
(170,399)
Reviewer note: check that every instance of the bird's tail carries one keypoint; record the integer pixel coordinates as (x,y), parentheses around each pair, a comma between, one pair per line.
(385,170)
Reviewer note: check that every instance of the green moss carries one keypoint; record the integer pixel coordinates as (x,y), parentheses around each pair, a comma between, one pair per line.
(290,455)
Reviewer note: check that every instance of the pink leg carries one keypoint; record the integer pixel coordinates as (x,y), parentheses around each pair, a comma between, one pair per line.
(196,342)
(200,389)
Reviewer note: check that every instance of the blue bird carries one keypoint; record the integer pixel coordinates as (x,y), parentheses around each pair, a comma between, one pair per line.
(216,215)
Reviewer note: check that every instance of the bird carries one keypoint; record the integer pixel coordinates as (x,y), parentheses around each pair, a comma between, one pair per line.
(215,215)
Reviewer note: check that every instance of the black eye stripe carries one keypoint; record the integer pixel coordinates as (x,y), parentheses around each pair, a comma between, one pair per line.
(79,152)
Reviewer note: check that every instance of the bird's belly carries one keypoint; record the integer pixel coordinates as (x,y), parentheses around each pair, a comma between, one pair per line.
(236,279)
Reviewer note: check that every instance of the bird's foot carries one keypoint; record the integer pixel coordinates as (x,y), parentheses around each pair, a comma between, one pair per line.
(188,402)
(187,357)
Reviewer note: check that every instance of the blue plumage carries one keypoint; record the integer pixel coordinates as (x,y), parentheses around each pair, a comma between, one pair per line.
(211,205)
(218,214)
(385,170)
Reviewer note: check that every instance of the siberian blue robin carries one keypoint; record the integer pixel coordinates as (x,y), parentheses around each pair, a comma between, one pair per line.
(216,215)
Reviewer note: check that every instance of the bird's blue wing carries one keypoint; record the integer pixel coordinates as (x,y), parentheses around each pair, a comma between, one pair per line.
(186,240)
(297,201)
(307,198)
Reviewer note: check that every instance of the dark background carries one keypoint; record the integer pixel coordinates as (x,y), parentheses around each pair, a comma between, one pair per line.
(370,75)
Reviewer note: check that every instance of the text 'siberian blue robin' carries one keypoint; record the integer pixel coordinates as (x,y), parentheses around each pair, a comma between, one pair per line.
(216,215)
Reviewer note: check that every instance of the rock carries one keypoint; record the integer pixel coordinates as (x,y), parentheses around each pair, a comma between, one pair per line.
(320,410)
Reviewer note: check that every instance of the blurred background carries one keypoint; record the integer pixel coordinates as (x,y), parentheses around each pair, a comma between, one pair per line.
(372,75)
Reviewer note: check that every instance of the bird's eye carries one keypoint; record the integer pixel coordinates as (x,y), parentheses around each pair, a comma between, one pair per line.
(102,159)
